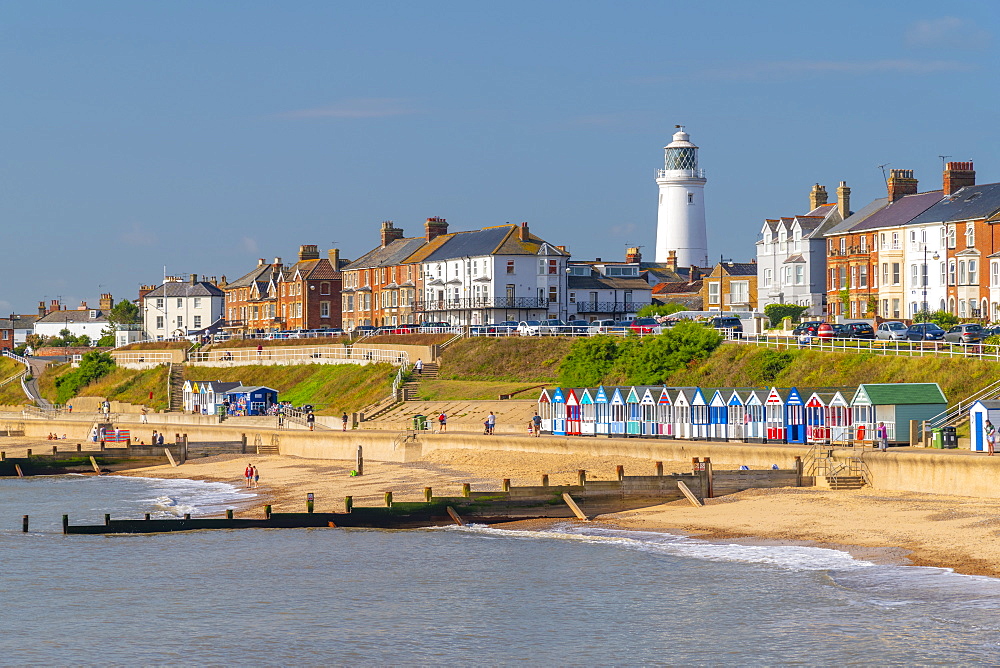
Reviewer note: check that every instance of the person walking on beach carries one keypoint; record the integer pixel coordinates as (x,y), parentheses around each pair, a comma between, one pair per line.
(256,477)
(343,420)
(442,422)
(883,437)
(991,438)
(491,423)
(536,423)
(247,473)
(419,367)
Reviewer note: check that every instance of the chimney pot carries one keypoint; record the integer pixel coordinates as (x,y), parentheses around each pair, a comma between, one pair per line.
(308,252)
(958,175)
(901,183)
(817,197)
(435,227)
(277,261)
(844,199)
(522,232)
(389,233)
(260,262)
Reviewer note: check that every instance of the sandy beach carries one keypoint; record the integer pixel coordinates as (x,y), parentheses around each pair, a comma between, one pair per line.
(923,529)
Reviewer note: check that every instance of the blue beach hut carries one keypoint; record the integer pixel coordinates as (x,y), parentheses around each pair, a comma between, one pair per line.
(602,411)
(558,401)
(617,405)
(981,413)
(255,400)
(795,418)
(588,426)
(718,417)
(736,414)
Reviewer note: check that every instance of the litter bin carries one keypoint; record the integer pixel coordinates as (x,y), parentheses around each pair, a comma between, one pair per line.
(936,439)
(420,422)
(949,437)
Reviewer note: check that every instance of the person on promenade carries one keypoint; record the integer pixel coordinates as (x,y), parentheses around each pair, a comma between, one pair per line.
(311,421)
(246,475)
(260,349)
(991,438)
(159,438)
(143,418)
(883,437)
(536,423)
(419,367)
(343,420)
(442,422)
(491,423)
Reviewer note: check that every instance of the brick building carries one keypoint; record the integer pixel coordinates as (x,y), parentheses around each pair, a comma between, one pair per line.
(731,286)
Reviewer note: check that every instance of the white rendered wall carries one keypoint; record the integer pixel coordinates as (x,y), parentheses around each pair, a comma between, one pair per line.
(680,225)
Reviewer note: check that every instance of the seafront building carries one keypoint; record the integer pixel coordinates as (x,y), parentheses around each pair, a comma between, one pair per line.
(181,308)
(82,321)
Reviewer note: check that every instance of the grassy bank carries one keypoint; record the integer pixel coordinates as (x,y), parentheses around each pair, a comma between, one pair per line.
(126,385)
(11,394)
(511,359)
(469,390)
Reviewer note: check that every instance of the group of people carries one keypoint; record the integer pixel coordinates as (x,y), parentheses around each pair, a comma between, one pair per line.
(56,437)
(252,476)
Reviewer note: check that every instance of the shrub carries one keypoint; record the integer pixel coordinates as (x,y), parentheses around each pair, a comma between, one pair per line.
(92,367)
(660,309)
(589,360)
(778,312)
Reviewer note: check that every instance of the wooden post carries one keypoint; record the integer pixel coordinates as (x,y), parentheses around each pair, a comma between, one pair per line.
(466,490)
(455,516)
(620,472)
(24,524)
(3,456)
(581,477)
(147,517)
(575,508)
(267,511)
(659,469)
(107,519)
(388,499)
(29,452)
(170,457)
(184,448)
(65,524)
(243,444)
(545,480)
(695,466)
(93,462)
(708,470)
(348,504)
(505,485)
(229,513)
(79,448)
(17,467)
(187,516)
(360,468)
(428,494)
(798,471)
(687,492)
(55,449)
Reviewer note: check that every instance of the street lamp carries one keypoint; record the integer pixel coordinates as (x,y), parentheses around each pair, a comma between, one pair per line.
(924,276)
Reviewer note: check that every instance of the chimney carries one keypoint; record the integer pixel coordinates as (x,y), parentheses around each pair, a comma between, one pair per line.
(260,262)
(41,309)
(958,175)
(435,227)
(334,256)
(277,262)
(390,233)
(308,252)
(53,305)
(844,199)
(672,260)
(632,255)
(107,302)
(145,290)
(817,197)
(522,232)
(901,182)
(193,279)
(83,306)
(693,274)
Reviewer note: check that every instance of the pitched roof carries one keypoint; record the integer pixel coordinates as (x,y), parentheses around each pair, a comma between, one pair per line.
(739,268)
(311,269)
(598,282)
(175,289)
(904,210)
(859,216)
(75,315)
(396,252)
(882,394)
(499,240)
(965,203)
(677,287)
(259,274)
(6,324)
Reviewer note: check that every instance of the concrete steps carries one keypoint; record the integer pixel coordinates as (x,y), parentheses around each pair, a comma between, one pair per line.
(176,387)
(842,482)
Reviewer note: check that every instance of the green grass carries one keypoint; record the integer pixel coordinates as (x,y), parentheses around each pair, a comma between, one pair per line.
(510,359)
(469,390)
(11,394)
(133,387)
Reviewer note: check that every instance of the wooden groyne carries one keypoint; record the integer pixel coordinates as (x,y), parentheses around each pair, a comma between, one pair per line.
(586,498)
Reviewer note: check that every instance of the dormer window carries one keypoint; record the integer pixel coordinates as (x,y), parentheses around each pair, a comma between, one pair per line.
(93,314)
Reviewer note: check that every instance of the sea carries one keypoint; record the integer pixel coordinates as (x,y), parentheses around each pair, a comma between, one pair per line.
(572,595)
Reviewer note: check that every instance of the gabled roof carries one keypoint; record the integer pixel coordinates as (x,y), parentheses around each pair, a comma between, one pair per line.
(75,315)
(6,324)
(858,217)
(663,273)
(175,289)
(499,240)
(311,270)
(989,405)
(738,268)
(260,274)
(605,283)
(396,252)
(677,288)
(904,210)
(884,394)
(968,203)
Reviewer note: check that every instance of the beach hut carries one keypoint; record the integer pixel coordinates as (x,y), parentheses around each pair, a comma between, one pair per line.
(545,410)
(558,402)
(572,413)
(602,411)
(699,415)
(895,404)
(189,395)
(650,421)
(255,400)
(633,412)
(817,430)
(736,416)
(588,414)
(682,412)
(665,414)
(795,416)
(212,395)
(839,418)
(774,415)
(617,405)
(981,413)
(718,417)
(755,417)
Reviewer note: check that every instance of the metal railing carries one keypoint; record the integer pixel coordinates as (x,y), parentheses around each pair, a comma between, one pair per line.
(876,346)
(960,412)
(448,304)
(610,307)
(10,380)
(154,357)
(306,354)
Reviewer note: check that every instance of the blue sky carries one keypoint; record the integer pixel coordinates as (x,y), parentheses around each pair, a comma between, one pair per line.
(201,136)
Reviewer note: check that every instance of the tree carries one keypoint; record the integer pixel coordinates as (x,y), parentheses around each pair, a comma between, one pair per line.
(589,361)
(661,309)
(93,365)
(778,312)
(651,360)
(124,313)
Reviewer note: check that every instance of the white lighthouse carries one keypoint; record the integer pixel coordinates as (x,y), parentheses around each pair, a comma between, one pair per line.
(680,219)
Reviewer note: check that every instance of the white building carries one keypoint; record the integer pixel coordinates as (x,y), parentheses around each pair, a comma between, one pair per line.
(680,218)
(181,309)
(926,267)
(82,321)
(599,289)
(491,275)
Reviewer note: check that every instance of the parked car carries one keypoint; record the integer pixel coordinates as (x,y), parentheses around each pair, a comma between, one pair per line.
(924,331)
(552,326)
(859,330)
(363,329)
(601,326)
(506,327)
(968,333)
(825,330)
(730,323)
(891,331)
(578,327)
(645,326)
(812,327)
(528,327)
(840,331)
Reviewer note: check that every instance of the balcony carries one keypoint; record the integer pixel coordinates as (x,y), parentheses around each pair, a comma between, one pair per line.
(737,299)
(464,303)
(610,307)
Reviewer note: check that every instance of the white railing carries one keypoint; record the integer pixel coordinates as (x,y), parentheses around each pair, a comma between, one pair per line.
(13,378)
(397,381)
(151,357)
(960,411)
(14,356)
(877,347)
(304,354)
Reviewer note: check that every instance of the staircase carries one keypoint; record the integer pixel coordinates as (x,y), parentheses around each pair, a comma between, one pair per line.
(959,413)
(845,482)
(836,473)
(266,449)
(175,384)
(430,371)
